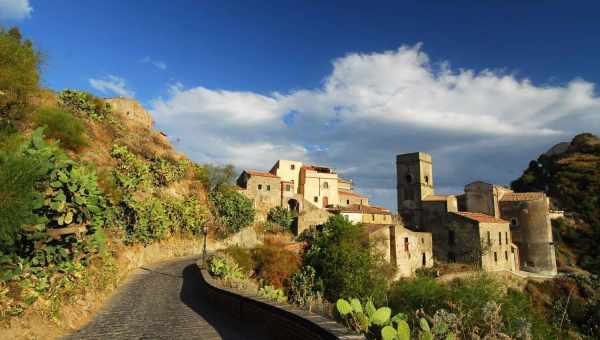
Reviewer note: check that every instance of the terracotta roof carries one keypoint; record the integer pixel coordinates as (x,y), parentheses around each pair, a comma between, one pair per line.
(371,228)
(522,196)
(479,217)
(437,198)
(260,173)
(364,209)
(350,193)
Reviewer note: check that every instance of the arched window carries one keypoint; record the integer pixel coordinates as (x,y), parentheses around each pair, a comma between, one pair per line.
(409,178)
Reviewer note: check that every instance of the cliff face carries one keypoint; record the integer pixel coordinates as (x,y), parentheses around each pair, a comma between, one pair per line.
(131,111)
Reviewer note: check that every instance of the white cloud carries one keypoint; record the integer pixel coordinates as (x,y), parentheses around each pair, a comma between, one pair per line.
(112,84)
(478,125)
(157,63)
(15,9)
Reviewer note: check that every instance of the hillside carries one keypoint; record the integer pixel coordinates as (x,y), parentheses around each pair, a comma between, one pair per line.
(570,174)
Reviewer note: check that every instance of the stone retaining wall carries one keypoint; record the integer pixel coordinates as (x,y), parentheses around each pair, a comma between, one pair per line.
(281,321)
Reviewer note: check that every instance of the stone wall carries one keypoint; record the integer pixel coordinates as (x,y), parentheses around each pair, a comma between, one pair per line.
(281,321)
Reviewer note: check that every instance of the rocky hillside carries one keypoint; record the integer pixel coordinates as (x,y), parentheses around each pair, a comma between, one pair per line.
(570,174)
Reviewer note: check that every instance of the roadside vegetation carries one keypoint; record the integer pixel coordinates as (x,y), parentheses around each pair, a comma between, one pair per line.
(80,185)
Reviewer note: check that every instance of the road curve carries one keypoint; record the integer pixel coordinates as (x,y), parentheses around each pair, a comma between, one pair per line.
(164,302)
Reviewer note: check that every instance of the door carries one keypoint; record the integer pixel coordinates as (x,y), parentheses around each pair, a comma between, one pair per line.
(325,201)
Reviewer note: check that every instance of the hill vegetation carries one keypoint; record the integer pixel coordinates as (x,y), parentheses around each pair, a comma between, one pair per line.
(83,179)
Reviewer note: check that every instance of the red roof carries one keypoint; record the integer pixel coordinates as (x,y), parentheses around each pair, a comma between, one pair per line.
(260,173)
(523,196)
(479,217)
(350,193)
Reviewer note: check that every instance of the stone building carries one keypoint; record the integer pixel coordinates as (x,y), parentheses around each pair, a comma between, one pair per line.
(307,190)
(482,208)
(405,249)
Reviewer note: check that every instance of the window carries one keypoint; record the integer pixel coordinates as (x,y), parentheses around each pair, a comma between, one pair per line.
(292,166)
(288,187)
(451,257)
(426,179)
(406,244)
(514,222)
(424,259)
(260,187)
(489,238)
(325,185)
(347,201)
(506,255)
(409,178)
(422,240)
(451,237)
(495,257)
(500,238)
(316,199)
(372,217)
(506,237)
(346,217)
(268,188)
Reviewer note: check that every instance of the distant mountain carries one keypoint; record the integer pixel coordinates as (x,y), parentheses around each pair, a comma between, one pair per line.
(570,174)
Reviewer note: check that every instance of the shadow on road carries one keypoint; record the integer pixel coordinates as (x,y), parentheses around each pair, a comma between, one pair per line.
(192,294)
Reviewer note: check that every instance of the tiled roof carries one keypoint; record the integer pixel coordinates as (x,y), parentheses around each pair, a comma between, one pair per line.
(364,209)
(436,198)
(260,173)
(522,196)
(479,217)
(350,193)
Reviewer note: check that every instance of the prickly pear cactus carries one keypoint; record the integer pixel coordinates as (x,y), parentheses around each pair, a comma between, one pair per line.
(343,307)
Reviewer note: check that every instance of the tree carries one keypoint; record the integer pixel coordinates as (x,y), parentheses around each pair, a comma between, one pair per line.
(215,177)
(346,262)
(281,216)
(233,209)
(19,72)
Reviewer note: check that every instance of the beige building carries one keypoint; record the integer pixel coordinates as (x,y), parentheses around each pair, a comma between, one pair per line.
(405,249)
(483,206)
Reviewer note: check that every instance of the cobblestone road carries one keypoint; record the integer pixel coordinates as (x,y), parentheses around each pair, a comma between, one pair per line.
(164,302)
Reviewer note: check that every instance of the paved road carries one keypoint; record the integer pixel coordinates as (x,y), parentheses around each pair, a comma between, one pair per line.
(164,302)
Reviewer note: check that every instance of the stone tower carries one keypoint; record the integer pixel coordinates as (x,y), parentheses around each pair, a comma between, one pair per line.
(414,182)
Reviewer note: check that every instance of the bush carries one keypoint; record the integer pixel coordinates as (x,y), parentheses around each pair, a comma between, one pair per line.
(131,171)
(407,296)
(19,72)
(215,177)
(274,263)
(281,216)
(242,256)
(62,126)
(344,259)
(145,220)
(224,267)
(166,172)
(84,104)
(304,287)
(233,209)
(185,215)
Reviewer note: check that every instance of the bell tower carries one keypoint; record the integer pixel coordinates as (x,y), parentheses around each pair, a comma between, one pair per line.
(414,178)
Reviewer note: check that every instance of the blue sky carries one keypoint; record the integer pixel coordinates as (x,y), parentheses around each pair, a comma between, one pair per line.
(484,86)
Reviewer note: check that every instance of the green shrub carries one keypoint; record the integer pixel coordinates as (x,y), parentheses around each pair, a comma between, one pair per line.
(281,216)
(166,172)
(185,215)
(423,292)
(145,220)
(131,171)
(84,104)
(233,209)
(62,126)
(345,261)
(272,293)
(242,256)
(224,267)
(19,72)
(217,178)
(303,287)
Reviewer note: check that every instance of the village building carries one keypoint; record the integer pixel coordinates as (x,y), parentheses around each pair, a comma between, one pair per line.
(483,209)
